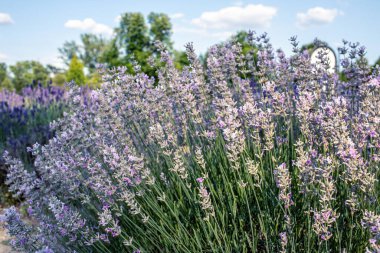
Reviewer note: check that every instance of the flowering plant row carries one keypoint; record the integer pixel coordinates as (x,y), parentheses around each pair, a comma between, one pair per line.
(27,110)
(255,152)
(24,120)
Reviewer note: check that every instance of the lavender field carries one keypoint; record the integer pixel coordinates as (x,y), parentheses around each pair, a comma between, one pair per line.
(248,152)
(24,120)
(229,126)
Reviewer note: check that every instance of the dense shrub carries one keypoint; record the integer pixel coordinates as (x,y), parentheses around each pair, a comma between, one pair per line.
(210,161)
(24,120)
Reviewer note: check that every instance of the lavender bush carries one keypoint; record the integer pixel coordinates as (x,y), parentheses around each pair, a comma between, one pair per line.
(210,160)
(30,111)
(24,120)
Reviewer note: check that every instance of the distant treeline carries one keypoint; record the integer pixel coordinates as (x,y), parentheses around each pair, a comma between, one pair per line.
(133,41)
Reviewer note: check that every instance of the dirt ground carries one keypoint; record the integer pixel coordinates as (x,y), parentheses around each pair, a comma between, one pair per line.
(4,240)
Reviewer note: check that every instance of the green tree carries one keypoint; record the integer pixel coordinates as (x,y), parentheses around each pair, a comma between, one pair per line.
(40,73)
(59,79)
(75,72)
(3,71)
(180,59)
(132,33)
(28,72)
(89,51)
(53,69)
(135,38)
(22,74)
(5,82)
(94,80)
(68,50)
(160,28)
(134,41)
(93,48)
(111,54)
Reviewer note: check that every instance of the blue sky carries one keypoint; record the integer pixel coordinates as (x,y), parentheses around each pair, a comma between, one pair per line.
(35,29)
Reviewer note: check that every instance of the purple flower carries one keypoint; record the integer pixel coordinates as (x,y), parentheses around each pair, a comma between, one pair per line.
(353,153)
(127,180)
(372,133)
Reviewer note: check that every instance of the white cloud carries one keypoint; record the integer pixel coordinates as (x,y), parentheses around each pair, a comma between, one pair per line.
(251,16)
(90,25)
(317,16)
(5,19)
(177,15)
(3,57)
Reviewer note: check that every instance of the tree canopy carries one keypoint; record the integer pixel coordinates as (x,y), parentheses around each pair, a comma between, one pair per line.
(5,82)
(75,72)
(28,72)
